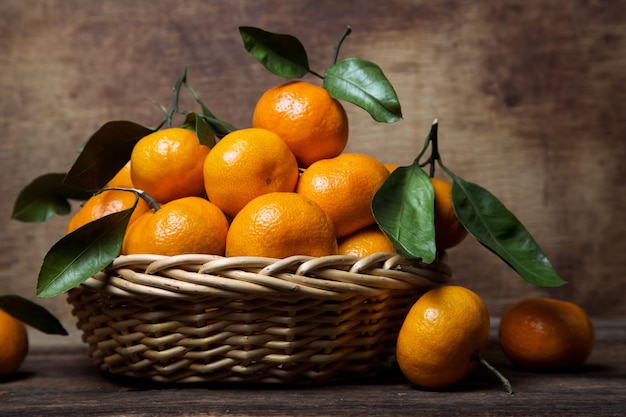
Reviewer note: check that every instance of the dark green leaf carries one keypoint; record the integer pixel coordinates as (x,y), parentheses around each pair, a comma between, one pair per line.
(82,253)
(283,55)
(495,227)
(31,313)
(44,197)
(218,127)
(195,122)
(363,83)
(104,154)
(404,209)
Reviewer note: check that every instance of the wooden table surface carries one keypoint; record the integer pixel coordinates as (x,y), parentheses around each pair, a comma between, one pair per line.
(60,380)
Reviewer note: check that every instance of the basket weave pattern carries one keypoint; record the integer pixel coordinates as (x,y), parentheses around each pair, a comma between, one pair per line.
(203,318)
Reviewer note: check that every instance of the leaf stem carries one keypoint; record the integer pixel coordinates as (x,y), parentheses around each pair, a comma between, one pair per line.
(167,120)
(502,378)
(431,140)
(321,77)
(434,155)
(154,205)
(339,42)
(446,169)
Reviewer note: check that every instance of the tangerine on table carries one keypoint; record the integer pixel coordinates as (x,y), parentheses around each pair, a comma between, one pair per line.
(442,335)
(104,203)
(546,334)
(279,225)
(344,187)
(312,123)
(184,225)
(449,231)
(167,164)
(245,164)
(364,242)
(13,343)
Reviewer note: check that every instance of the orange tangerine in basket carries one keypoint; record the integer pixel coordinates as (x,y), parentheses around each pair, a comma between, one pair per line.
(312,123)
(391,167)
(245,164)
(185,225)
(122,178)
(279,225)
(365,241)
(104,203)
(344,187)
(449,231)
(167,164)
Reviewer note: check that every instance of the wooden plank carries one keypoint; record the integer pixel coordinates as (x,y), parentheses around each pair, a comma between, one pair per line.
(61,381)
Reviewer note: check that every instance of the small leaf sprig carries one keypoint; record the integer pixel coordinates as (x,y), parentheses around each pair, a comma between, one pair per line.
(404,208)
(105,153)
(91,248)
(356,80)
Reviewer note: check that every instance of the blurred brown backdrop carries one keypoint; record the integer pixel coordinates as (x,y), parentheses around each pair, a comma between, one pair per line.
(530,96)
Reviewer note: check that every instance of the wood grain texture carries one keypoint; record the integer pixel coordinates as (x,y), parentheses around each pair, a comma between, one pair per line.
(530,96)
(59,380)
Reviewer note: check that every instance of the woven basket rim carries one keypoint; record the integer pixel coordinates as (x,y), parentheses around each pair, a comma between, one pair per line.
(327,277)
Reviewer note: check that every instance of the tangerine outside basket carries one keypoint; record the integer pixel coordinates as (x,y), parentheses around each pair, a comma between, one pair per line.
(204,318)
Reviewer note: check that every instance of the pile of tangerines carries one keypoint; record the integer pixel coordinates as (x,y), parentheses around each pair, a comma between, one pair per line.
(279,188)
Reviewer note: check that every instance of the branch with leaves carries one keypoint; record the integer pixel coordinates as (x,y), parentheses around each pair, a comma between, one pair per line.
(404,209)
(355,80)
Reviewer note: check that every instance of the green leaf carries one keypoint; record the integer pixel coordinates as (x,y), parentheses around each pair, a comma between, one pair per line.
(363,83)
(31,314)
(283,55)
(195,122)
(495,227)
(82,253)
(219,128)
(404,209)
(104,154)
(44,197)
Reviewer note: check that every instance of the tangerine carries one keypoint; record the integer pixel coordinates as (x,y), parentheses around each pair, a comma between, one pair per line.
(245,164)
(312,123)
(546,334)
(184,225)
(449,231)
(167,164)
(391,167)
(13,342)
(344,187)
(279,225)
(364,242)
(122,178)
(442,335)
(104,203)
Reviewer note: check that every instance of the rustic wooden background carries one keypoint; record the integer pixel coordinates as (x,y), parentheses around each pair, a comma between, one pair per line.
(530,96)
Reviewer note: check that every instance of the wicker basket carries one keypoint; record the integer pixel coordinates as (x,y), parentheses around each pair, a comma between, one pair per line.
(203,318)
